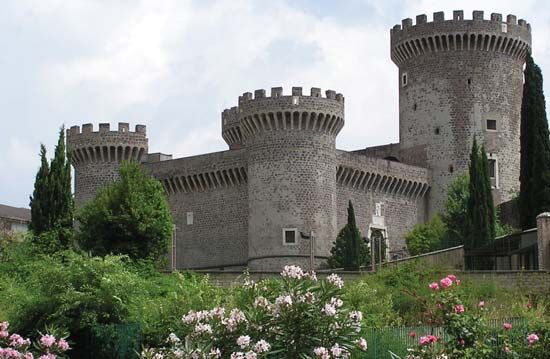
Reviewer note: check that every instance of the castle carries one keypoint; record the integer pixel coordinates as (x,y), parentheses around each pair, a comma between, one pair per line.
(279,195)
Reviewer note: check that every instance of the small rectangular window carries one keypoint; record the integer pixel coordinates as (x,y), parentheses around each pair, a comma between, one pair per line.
(492,125)
(189,218)
(295,100)
(492,168)
(290,236)
(404,79)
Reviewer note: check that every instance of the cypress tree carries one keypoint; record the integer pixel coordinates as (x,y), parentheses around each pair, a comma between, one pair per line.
(349,250)
(535,148)
(481,211)
(52,202)
(40,198)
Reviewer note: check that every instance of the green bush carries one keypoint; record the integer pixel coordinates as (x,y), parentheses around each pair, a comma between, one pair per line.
(129,217)
(427,237)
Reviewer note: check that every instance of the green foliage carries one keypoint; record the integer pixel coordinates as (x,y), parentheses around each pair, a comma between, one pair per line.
(455,213)
(427,237)
(52,205)
(349,251)
(481,212)
(129,217)
(535,148)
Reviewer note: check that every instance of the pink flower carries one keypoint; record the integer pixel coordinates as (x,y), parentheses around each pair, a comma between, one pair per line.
(28,356)
(529,305)
(507,326)
(452,277)
(63,345)
(459,309)
(446,282)
(412,334)
(439,306)
(461,342)
(48,356)
(532,338)
(362,344)
(482,304)
(428,339)
(434,286)
(47,340)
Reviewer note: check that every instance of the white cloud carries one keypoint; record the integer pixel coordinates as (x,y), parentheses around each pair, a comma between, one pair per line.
(176,64)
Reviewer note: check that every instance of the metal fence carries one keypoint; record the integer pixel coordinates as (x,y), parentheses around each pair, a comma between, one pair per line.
(397,339)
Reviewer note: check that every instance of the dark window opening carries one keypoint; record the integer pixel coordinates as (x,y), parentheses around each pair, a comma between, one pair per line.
(469,81)
(290,236)
(404,79)
(437,131)
(451,168)
(492,168)
(491,124)
(414,107)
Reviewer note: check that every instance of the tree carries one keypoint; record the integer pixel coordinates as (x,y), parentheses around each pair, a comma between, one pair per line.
(52,203)
(456,210)
(481,211)
(349,251)
(427,237)
(534,195)
(39,201)
(130,217)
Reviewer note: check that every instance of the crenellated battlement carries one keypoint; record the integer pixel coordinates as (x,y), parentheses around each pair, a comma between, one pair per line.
(509,36)
(104,145)
(277,93)
(123,127)
(314,112)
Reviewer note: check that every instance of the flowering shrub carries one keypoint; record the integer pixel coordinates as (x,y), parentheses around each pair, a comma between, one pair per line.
(14,346)
(297,317)
(468,334)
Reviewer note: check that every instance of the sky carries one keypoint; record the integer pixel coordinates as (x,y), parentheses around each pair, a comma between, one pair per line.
(174,65)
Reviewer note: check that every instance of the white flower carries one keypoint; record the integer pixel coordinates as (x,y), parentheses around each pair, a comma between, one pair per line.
(190,317)
(173,338)
(337,302)
(262,346)
(329,310)
(261,302)
(283,301)
(215,353)
(203,328)
(237,355)
(217,312)
(243,341)
(250,355)
(294,272)
(362,344)
(321,352)
(356,316)
(335,280)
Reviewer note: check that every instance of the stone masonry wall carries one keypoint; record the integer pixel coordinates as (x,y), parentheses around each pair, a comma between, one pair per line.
(399,187)
(213,187)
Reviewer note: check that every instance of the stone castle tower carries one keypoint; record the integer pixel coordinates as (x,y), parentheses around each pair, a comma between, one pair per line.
(458,79)
(256,204)
(97,155)
(290,142)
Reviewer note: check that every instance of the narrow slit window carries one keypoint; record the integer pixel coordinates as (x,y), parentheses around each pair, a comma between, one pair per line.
(492,168)
(404,79)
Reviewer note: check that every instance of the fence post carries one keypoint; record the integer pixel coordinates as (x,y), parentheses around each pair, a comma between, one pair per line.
(543,239)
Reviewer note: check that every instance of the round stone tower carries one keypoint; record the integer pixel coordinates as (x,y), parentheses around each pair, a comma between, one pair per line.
(458,79)
(290,142)
(231,130)
(97,155)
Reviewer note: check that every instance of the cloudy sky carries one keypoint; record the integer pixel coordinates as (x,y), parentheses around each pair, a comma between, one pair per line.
(174,65)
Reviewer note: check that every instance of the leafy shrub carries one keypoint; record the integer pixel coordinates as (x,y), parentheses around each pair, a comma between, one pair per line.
(427,237)
(300,318)
(129,217)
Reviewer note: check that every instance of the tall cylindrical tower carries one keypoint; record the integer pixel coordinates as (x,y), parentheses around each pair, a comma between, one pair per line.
(459,79)
(97,155)
(290,143)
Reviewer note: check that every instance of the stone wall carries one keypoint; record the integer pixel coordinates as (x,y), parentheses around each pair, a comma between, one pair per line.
(452,258)
(453,77)
(212,189)
(399,187)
